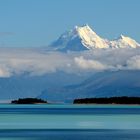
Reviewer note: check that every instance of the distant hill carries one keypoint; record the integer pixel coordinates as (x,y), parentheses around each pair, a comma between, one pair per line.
(22,86)
(104,84)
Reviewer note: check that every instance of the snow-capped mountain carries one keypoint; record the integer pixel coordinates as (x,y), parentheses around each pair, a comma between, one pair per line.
(35,72)
(84,38)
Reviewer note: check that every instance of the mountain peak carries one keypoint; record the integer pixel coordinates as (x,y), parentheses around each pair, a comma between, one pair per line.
(86,26)
(124,42)
(90,39)
(84,38)
(122,36)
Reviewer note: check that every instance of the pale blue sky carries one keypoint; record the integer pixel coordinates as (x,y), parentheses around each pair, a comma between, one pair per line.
(32,23)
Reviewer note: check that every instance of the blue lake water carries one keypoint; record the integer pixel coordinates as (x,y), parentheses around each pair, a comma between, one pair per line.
(66,122)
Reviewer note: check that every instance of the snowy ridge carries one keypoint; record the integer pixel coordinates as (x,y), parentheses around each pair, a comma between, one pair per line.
(124,42)
(90,39)
(84,38)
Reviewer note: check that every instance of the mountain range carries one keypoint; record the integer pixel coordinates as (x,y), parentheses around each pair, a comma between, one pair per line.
(84,38)
(79,64)
(102,84)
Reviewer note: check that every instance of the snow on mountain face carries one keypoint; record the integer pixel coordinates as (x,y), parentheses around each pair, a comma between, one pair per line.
(90,39)
(124,42)
(84,38)
(70,40)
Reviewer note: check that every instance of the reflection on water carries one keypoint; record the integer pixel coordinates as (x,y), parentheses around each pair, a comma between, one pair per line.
(65,122)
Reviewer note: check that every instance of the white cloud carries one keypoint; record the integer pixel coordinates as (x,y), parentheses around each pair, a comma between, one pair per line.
(4,73)
(39,62)
(134,63)
(89,64)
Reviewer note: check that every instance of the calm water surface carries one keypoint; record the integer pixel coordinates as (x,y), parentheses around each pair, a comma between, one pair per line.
(66,122)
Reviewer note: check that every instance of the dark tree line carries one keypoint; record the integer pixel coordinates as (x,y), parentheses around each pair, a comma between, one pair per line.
(110,100)
(28,101)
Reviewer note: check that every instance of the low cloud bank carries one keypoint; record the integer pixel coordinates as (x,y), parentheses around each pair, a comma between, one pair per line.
(40,62)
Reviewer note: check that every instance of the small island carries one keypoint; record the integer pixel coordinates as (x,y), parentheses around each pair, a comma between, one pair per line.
(109,100)
(29,101)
